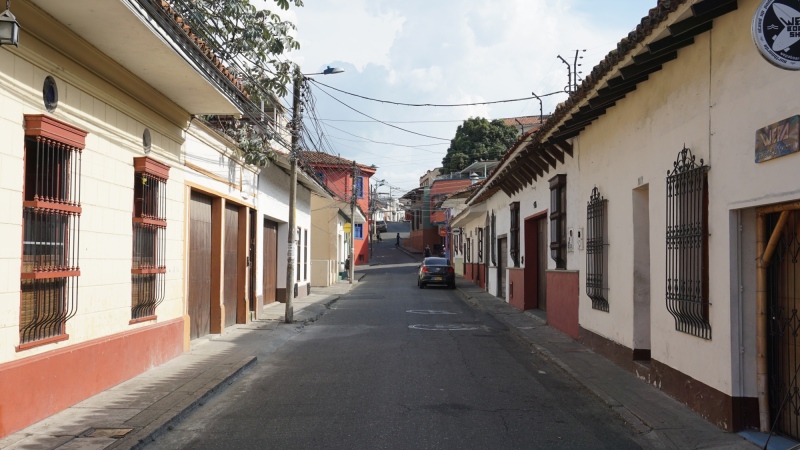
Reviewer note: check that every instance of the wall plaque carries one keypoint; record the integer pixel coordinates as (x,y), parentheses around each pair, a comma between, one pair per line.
(778,139)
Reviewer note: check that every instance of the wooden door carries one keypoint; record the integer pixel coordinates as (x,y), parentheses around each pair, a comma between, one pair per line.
(541,267)
(230,287)
(270,261)
(502,264)
(199,301)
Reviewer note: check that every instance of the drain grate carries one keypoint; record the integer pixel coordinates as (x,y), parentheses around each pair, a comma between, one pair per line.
(116,433)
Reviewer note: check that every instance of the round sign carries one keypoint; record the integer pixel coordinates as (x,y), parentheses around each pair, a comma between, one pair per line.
(776,32)
(347,227)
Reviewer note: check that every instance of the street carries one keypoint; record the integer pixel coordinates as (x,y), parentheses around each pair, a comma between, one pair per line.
(393,366)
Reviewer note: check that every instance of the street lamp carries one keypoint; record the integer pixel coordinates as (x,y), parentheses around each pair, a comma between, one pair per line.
(293,154)
(9,27)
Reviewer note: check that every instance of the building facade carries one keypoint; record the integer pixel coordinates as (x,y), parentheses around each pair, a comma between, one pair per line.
(653,216)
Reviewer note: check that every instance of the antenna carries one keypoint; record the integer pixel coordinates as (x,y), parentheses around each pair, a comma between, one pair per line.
(568,87)
(575,66)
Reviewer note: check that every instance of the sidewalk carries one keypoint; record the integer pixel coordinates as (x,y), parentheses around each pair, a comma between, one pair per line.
(131,413)
(660,421)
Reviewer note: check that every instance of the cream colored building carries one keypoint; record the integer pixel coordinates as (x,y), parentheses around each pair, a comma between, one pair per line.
(649,188)
(113,196)
(328,219)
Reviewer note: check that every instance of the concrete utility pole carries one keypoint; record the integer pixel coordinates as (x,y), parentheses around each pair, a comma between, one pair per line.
(353,228)
(293,154)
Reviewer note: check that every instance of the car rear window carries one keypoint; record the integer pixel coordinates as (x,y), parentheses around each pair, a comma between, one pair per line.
(436,262)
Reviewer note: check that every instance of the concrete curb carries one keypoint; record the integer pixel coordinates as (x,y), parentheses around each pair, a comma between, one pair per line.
(627,415)
(147,434)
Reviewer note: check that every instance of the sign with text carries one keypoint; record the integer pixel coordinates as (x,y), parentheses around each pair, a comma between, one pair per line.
(776,31)
(347,227)
(778,139)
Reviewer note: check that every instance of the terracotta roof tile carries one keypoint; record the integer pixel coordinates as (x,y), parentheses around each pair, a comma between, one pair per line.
(524,120)
(170,13)
(326,159)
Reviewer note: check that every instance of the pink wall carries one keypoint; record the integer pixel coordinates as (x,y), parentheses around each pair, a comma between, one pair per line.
(42,385)
(339,181)
(562,301)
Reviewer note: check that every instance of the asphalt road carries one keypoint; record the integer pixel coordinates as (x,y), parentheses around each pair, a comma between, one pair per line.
(393,366)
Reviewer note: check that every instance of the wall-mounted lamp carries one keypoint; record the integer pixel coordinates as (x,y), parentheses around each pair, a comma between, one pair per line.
(9,27)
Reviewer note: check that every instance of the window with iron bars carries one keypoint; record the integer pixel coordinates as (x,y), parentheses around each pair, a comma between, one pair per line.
(299,236)
(493,242)
(305,254)
(148,266)
(51,224)
(514,233)
(596,256)
(480,245)
(687,245)
(558,220)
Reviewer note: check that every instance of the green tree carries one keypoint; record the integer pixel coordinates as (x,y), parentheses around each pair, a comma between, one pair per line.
(478,139)
(248,40)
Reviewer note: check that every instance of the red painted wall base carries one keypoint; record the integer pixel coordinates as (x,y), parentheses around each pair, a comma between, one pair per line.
(34,388)
(516,288)
(562,301)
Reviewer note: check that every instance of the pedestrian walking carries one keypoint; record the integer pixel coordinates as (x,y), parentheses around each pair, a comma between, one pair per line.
(427,251)
(347,268)
(397,243)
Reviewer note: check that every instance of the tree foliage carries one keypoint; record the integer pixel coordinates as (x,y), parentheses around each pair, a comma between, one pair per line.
(248,40)
(478,139)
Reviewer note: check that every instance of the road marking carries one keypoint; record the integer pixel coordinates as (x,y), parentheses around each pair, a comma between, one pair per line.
(428,311)
(444,327)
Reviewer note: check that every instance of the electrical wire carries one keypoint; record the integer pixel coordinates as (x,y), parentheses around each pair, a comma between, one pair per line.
(433,104)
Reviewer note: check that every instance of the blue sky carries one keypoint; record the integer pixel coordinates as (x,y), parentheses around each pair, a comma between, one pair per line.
(443,51)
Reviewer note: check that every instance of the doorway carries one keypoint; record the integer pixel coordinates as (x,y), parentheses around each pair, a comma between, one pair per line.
(536,262)
(231,264)
(783,302)
(641,273)
(270,288)
(199,290)
(502,264)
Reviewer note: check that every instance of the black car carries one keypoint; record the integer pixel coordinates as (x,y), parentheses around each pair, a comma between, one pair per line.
(436,271)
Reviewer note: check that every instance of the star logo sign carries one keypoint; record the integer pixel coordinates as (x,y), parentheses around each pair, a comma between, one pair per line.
(790,34)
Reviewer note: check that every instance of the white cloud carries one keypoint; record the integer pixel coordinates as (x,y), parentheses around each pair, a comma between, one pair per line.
(445,51)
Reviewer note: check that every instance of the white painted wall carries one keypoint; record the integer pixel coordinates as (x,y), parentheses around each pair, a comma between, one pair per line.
(114,139)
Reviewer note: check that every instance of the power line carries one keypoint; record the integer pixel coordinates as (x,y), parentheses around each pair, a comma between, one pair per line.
(379,142)
(450,105)
(393,121)
(376,120)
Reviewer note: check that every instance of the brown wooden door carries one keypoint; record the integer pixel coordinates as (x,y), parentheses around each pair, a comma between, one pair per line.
(502,263)
(270,261)
(230,286)
(541,266)
(199,302)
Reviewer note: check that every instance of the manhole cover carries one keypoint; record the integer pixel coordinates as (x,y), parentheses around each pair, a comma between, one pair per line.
(428,311)
(116,433)
(445,327)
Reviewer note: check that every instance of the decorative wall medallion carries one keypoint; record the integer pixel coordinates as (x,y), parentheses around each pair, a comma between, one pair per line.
(50,94)
(776,32)
(147,141)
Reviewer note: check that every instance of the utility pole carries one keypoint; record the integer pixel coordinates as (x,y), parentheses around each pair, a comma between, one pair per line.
(293,154)
(353,228)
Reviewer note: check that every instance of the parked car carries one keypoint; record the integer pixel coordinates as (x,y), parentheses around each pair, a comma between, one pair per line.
(435,270)
(381,226)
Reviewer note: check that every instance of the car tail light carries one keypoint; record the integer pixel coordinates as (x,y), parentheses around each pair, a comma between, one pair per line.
(451,270)
(424,269)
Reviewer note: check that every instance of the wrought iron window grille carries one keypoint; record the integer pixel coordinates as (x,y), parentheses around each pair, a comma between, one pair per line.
(596,256)
(558,220)
(148,262)
(480,245)
(514,234)
(494,239)
(687,245)
(50,243)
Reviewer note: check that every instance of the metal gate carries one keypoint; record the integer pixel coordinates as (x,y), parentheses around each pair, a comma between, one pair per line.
(783,297)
